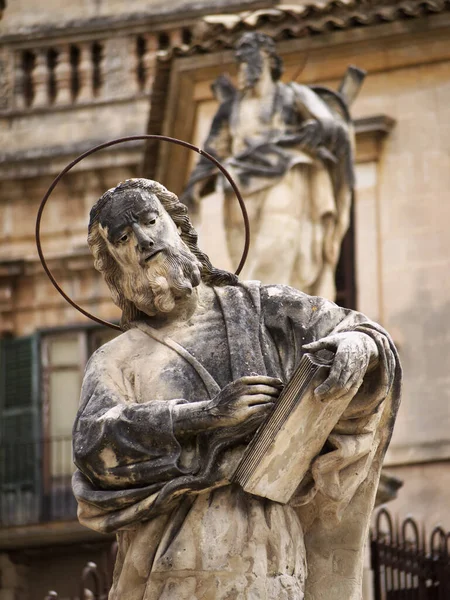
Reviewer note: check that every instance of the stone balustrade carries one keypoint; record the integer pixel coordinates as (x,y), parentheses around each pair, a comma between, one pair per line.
(67,73)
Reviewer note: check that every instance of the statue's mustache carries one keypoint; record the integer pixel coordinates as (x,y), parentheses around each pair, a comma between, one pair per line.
(155,286)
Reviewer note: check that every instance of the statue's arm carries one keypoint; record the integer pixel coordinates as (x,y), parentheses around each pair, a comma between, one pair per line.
(117,442)
(366,360)
(336,496)
(309,104)
(120,443)
(322,131)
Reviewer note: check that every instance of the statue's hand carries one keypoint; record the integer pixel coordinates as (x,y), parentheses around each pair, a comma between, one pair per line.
(323,137)
(311,134)
(245,398)
(354,352)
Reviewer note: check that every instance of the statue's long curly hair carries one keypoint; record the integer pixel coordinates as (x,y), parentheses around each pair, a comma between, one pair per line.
(107,265)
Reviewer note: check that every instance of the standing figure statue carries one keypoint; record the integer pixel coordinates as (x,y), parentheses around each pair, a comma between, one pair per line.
(290,147)
(168,408)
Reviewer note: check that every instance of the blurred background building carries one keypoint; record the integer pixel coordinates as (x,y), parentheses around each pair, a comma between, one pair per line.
(73,75)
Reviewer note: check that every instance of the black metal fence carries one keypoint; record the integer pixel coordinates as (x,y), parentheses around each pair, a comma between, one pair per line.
(95,581)
(35,482)
(408,565)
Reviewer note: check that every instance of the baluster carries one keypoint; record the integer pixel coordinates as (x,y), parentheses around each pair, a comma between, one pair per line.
(85,72)
(63,76)
(40,79)
(149,61)
(176,38)
(136,52)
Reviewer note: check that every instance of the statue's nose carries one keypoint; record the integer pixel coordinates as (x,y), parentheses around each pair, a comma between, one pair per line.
(144,241)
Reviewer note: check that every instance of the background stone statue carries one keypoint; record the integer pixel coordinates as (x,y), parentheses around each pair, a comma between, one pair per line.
(168,407)
(290,147)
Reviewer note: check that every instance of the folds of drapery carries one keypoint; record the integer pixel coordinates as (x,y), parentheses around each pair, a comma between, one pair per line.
(127,452)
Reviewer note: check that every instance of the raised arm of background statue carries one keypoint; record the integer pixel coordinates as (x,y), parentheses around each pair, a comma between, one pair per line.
(320,127)
(119,443)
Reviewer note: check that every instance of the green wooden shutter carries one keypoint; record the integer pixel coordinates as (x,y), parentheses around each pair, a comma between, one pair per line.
(20,452)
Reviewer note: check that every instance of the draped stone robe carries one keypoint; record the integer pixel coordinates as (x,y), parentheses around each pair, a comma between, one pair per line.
(297,202)
(183,531)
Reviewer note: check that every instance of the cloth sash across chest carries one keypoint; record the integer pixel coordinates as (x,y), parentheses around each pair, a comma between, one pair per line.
(249,354)
(243,329)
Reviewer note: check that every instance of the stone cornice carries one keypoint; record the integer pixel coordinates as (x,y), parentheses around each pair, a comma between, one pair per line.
(306,20)
(42,154)
(79,259)
(370,132)
(215,26)
(158,18)
(378,125)
(36,162)
(36,536)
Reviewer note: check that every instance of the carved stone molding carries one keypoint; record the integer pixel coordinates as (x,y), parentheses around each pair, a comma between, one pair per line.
(28,275)
(51,160)
(370,132)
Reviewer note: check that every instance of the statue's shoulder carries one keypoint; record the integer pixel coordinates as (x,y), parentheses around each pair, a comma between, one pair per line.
(299,90)
(284,307)
(296,87)
(276,292)
(119,348)
(282,300)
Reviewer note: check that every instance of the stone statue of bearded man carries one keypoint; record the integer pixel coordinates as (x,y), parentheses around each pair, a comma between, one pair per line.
(168,408)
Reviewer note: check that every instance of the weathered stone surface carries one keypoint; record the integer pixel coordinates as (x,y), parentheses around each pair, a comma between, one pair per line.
(168,407)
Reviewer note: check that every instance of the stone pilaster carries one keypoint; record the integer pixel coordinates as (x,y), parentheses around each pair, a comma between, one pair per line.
(149,60)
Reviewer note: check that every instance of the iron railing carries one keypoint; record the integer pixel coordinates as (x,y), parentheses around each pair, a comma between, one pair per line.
(35,482)
(407,565)
(95,580)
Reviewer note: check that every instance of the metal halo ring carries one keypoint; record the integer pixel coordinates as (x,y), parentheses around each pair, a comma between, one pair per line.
(130,138)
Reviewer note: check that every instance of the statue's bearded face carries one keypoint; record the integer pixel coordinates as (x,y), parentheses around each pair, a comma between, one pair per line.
(156,265)
(251,60)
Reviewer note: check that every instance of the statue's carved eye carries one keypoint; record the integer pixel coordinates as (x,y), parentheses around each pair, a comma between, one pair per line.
(151,222)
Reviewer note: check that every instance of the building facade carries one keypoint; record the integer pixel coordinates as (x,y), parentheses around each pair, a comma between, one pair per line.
(74,76)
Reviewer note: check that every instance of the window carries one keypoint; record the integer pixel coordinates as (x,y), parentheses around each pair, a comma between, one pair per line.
(40,382)
(19,410)
(64,356)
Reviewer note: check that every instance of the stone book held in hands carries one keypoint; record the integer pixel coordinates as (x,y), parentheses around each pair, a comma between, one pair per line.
(283,448)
